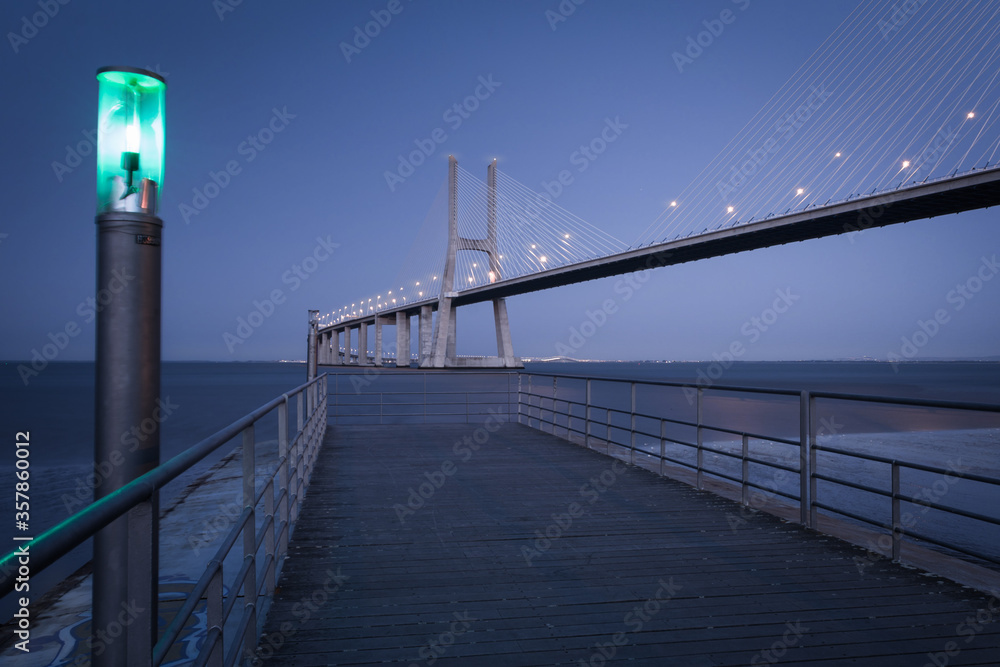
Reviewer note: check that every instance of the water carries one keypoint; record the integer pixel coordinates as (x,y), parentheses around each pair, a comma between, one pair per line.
(57,407)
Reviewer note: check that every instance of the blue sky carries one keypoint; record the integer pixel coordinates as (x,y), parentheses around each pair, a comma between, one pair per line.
(344,114)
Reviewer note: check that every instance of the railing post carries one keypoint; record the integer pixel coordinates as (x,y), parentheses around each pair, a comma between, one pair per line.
(805,446)
(586,415)
(283,486)
(269,574)
(813,510)
(632,429)
(700,456)
(555,393)
(897,527)
(663,444)
(249,531)
(746,469)
(214,606)
(299,421)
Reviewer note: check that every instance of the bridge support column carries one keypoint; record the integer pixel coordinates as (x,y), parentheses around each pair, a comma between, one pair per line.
(505,348)
(402,340)
(425,328)
(335,347)
(363,344)
(347,346)
(378,340)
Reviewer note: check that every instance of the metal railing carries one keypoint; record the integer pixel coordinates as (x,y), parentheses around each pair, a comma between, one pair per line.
(540,405)
(281,495)
(370,395)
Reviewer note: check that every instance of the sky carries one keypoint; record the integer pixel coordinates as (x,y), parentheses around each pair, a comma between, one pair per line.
(341,108)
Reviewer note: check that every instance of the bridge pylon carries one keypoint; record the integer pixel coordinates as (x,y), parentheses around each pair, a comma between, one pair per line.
(442,343)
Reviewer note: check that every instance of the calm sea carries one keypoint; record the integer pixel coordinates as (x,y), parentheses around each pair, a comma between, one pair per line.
(57,407)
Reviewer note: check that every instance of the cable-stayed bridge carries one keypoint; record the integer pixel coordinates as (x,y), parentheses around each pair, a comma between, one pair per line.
(885,123)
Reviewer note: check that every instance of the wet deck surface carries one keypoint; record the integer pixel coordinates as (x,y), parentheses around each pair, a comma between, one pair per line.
(635,567)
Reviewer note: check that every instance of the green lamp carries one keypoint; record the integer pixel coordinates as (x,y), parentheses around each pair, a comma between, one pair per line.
(130,139)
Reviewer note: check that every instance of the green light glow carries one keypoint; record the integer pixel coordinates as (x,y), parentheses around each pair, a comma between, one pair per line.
(130,138)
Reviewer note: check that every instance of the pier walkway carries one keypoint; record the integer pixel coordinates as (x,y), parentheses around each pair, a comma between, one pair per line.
(502,545)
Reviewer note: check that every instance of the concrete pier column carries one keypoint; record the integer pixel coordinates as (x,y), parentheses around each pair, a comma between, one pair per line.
(347,346)
(425,329)
(335,347)
(378,340)
(505,349)
(402,340)
(363,344)
(452,336)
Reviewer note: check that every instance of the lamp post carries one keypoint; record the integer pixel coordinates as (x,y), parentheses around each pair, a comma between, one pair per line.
(130,149)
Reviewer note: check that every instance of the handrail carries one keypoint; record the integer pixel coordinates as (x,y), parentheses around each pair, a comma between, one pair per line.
(282,492)
(545,407)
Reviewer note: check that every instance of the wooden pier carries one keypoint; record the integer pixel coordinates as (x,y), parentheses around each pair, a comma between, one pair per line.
(518,548)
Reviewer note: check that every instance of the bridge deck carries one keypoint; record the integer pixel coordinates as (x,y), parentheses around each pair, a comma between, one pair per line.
(452,582)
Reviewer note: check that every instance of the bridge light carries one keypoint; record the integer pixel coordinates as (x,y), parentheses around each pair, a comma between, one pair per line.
(435,278)
(565,236)
(673,203)
(470,279)
(543,258)
(420,293)
(418,283)
(837,155)
(474,265)
(729,209)
(800,191)
(906,163)
(972,114)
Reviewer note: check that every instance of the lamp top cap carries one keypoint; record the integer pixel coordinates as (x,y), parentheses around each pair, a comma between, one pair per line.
(133,70)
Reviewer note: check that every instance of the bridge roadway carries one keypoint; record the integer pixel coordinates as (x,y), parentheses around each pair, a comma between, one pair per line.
(975,190)
(635,565)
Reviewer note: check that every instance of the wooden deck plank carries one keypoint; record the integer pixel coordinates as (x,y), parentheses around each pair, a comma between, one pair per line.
(455,571)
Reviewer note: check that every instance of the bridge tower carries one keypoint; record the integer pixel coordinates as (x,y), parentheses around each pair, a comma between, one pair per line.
(442,353)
